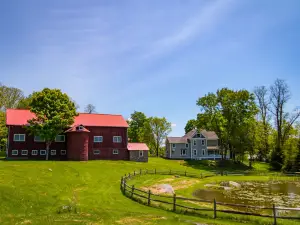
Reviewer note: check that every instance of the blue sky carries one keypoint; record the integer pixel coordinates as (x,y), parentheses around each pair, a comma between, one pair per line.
(157,57)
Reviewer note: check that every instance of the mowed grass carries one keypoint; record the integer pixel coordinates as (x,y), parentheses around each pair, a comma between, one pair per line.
(34,192)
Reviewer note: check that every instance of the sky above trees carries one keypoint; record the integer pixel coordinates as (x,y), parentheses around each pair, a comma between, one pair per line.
(157,57)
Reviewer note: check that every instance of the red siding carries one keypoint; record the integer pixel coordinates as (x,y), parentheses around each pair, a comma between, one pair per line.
(30,145)
(106,147)
(78,144)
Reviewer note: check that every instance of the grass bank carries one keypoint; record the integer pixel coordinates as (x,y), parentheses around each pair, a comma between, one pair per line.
(57,192)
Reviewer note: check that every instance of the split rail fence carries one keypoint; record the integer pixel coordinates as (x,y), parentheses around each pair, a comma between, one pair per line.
(187,205)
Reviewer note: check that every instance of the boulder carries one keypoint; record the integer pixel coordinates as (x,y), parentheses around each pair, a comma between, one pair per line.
(234,184)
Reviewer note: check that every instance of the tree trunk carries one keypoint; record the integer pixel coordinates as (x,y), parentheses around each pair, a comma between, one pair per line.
(47,149)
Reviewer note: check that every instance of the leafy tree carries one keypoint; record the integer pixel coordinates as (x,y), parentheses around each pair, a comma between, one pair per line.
(24,103)
(3,130)
(190,125)
(90,108)
(155,132)
(136,126)
(54,113)
(263,103)
(9,97)
(279,96)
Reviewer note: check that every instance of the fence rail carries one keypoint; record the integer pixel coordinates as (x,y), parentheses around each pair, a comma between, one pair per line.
(131,191)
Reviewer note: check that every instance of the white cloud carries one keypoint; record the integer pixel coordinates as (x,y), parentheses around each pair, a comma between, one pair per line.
(173,125)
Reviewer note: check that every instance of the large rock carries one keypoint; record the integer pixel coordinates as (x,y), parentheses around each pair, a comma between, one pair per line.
(234,184)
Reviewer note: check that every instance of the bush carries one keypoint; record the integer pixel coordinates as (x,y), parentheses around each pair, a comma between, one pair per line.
(277,159)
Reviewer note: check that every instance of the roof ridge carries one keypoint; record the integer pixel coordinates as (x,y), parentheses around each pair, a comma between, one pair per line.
(108,114)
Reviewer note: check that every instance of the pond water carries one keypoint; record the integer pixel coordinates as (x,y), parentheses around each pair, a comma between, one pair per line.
(280,193)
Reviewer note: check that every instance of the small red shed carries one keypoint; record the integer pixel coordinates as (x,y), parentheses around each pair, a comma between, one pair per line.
(138,152)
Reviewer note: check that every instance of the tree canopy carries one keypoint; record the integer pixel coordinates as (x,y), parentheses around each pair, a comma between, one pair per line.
(54,113)
(136,126)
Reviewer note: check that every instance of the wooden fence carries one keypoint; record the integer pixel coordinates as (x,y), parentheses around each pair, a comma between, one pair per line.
(180,204)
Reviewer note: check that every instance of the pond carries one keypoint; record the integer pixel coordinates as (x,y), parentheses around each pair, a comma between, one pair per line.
(280,193)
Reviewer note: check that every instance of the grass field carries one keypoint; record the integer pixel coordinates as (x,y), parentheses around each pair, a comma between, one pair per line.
(40,192)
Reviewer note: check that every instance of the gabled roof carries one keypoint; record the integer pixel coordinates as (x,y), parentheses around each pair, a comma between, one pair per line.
(137,146)
(75,129)
(19,117)
(209,135)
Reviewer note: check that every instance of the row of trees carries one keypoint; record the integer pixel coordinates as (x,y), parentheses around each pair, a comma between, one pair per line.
(255,124)
(150,130)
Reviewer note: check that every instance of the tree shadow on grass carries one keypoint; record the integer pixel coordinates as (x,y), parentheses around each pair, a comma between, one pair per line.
(219,165)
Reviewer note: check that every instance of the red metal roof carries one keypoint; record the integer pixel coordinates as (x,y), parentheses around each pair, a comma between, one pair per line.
(19,117)
(137,146)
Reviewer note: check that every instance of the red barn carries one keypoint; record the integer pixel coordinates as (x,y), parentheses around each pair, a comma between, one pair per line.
(92,136)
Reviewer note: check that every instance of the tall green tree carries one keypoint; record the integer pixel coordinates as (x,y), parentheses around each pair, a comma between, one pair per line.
(54,113)
(136,126)
(190,125)
(24,103)
(279,97)
(155,132)
(9,97)
(3,130)
(263,103)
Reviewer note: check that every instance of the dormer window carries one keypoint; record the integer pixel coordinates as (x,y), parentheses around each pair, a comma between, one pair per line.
(80,127)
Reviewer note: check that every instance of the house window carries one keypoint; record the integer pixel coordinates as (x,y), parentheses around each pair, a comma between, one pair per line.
(19,137)
(96,152)
(141,153)
(63,152)
(117,139)
(24,152)
(43,152)
(195,151)
(38,139)
(194,142)
(183,152)
(203,152)
(60,138)
(173,145)
(186,145)
(34,152)
(98,138)
(115,151)
(80,127)
(53,152)
(14,152)
(203,142)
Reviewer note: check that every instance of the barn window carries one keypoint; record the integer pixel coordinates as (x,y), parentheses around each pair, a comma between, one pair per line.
(14,152)
(24,152)
(38,139)
(34,152)
(96,152)
(53,152)
(98,138)
(43,152)
(63,152)
(141,153)
(117,139)
(115,151)
(60,138)
(19,137)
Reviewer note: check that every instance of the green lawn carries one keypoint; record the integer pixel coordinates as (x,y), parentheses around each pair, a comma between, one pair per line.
(34,192)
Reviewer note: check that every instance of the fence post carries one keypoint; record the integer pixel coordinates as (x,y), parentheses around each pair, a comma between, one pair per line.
(140,171)
(155,171)
(133,173)
(132,190)
(274,213)
(201,176)
(124,186)
(174,202)
(149,195)
(129,175)
(215,209)
(185,173)
(170,171)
